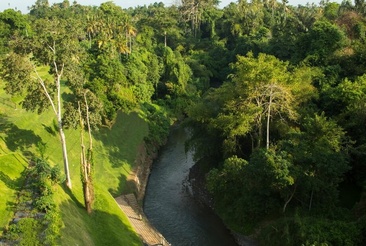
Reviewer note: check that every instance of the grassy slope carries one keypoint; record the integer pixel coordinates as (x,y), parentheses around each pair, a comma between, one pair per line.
(114,153)
(11,166)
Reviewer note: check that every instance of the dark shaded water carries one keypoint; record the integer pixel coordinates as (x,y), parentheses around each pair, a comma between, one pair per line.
(169,205)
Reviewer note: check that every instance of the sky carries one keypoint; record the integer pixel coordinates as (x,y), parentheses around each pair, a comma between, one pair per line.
(22,5)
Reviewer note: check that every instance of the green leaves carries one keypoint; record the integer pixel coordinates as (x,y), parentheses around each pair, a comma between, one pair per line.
(21,78)
(16,72)
(177,74)
(262,89)
(271,169)
(248,191)
(321,42)
(12,23)
(230,177)
(319,153)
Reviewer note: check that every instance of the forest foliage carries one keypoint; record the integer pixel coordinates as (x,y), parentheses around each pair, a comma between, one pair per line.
(274,93)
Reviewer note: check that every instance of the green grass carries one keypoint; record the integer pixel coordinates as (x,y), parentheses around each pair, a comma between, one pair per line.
(11,167)
(114,155)
(12,164)
(115,151)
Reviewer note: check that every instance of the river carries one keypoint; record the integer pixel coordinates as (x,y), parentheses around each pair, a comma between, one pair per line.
(169,205)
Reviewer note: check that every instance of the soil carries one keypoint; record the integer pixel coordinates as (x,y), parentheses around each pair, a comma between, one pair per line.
(138,178)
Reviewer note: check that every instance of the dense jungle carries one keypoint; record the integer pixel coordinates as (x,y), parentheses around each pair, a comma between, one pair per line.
(274,96)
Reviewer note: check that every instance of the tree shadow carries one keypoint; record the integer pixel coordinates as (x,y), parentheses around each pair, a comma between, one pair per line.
(97,228)
(122,188)
(114,139)
(72,196)
(67,97)
(15,185)
(8,102)
(109,223)
(50,130)
(10,206)
(11,184)
(18,139)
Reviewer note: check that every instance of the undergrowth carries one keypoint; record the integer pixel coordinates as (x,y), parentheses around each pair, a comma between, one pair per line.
(37,219)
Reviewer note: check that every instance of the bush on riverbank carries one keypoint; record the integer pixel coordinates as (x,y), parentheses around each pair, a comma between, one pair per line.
(159,124)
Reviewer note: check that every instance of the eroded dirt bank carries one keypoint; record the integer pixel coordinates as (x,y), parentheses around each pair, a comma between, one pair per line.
(138,178)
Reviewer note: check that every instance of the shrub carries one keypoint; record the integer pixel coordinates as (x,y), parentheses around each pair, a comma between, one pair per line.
(311,231)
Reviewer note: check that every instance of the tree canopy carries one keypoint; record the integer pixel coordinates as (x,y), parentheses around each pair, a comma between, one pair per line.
(274,96)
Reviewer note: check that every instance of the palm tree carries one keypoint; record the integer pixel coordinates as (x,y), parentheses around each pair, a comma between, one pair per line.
(92,27)
(130,32)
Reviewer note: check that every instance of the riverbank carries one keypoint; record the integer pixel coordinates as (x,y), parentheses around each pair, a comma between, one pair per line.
(138,178)
(159,126)
(137,218)
(131,201)
(202,196)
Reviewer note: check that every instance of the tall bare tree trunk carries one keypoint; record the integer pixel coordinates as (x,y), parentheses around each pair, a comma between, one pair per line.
(65,158)
(165,39)
(58,113)
(86,161)
(90,152)
(60,126)
(269,118)
(259,124)
(84,172)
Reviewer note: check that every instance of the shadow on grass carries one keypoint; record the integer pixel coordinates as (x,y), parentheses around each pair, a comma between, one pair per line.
(122,187)
(68,97)
(11,184)
(50,130)
(98,228)
(113,139)
(122,138)
(18,139)
(72,196)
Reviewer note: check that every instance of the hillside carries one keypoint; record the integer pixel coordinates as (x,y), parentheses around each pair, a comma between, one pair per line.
(274,96)
(115,150)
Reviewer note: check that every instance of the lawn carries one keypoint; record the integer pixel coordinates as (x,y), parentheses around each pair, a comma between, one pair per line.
(115,149)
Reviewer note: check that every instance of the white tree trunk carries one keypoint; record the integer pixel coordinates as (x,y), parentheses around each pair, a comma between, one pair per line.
(60,126)
(86,160)
(64,155)
(165,39)
(89,132)
(58,113)
(269,117)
